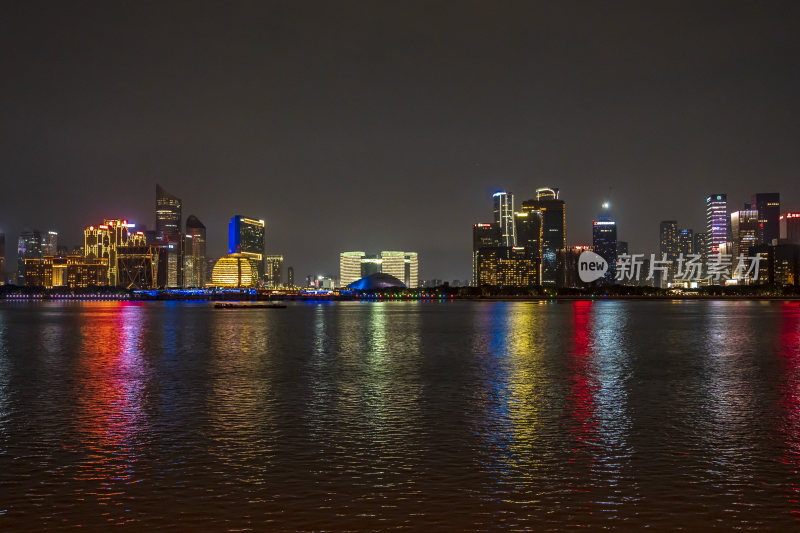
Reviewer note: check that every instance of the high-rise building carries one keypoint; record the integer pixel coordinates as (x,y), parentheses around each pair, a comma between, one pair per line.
(246,236)
(622,248)
(716,222)
(402,265)
(604,241)
(668,242)
(768,206)
(686,242)
(699,245)
(790,227)
(194,259)
(273,270)
(554,234)
(290,276)
(745,229)
(131,262)
(504,217)
(483,236)
(168,213)
(29,246)
(50,243)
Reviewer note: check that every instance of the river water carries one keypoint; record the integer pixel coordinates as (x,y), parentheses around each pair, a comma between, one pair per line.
(419,416)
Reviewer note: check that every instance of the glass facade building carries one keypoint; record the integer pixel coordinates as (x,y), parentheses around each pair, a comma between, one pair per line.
(745,231)
(273,270)
(768,206)
(168,213)
(554,234)
(604,242)
(790,227)
(504,217)
(246,236)
(194,259)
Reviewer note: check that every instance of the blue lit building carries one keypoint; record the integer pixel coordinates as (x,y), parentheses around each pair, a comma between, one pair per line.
(246,236)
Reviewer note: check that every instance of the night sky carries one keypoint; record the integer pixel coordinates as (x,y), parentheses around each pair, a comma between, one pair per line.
(387,125)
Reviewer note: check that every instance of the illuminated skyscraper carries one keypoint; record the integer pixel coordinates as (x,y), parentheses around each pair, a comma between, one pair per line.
(504,217)
(273,270)
(411,270)
(131,262)
(194,259)
(686,242)
(290,276)
(168,213)
(30,245)
(768,206)
(744,230)
(604,241)
(716,222)
(483,236)
(554,234)
(699,246)
(246,236)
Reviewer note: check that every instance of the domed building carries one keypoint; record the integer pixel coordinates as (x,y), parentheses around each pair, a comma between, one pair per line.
(376,281)
(235,271)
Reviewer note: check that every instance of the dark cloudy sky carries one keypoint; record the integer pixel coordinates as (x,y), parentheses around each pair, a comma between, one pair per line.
(387,125)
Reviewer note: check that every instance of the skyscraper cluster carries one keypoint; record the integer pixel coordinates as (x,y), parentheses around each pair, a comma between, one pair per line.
(522,247)
(117,253)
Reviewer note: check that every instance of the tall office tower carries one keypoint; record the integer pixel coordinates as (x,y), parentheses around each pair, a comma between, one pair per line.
(246,236)
(528,224)
(29,246)
(131,263)
(168,213)
(504,217)
(604,241)
(686,242)
(290,276)
(554,234)
(483,236)
(716,222)
(699,245)
(194,258)
(744,230)
(2,258)
(790,227)
(768,205)
(50,243)
(273,270)
(668,242)
(411,271)
(349,267)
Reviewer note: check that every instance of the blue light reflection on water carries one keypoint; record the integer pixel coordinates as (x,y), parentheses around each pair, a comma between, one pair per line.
(400,415)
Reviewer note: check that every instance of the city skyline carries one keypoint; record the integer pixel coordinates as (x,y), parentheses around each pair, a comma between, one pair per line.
(651,109)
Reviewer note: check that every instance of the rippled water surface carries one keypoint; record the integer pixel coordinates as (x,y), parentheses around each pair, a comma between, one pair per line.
(416,416)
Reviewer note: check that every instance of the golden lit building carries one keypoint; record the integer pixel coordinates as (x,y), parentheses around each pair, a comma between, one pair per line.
(234,270)
(102,242)
(507,266)
(70,271)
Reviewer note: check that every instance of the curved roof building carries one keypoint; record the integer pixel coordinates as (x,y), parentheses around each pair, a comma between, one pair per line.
(376,281)
(234,270)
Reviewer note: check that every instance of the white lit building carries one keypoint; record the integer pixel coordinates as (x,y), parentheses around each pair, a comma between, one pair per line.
(402,265)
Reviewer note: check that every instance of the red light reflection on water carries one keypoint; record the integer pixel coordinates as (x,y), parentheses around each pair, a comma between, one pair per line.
(790,397)
(109,412)
(581,403)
